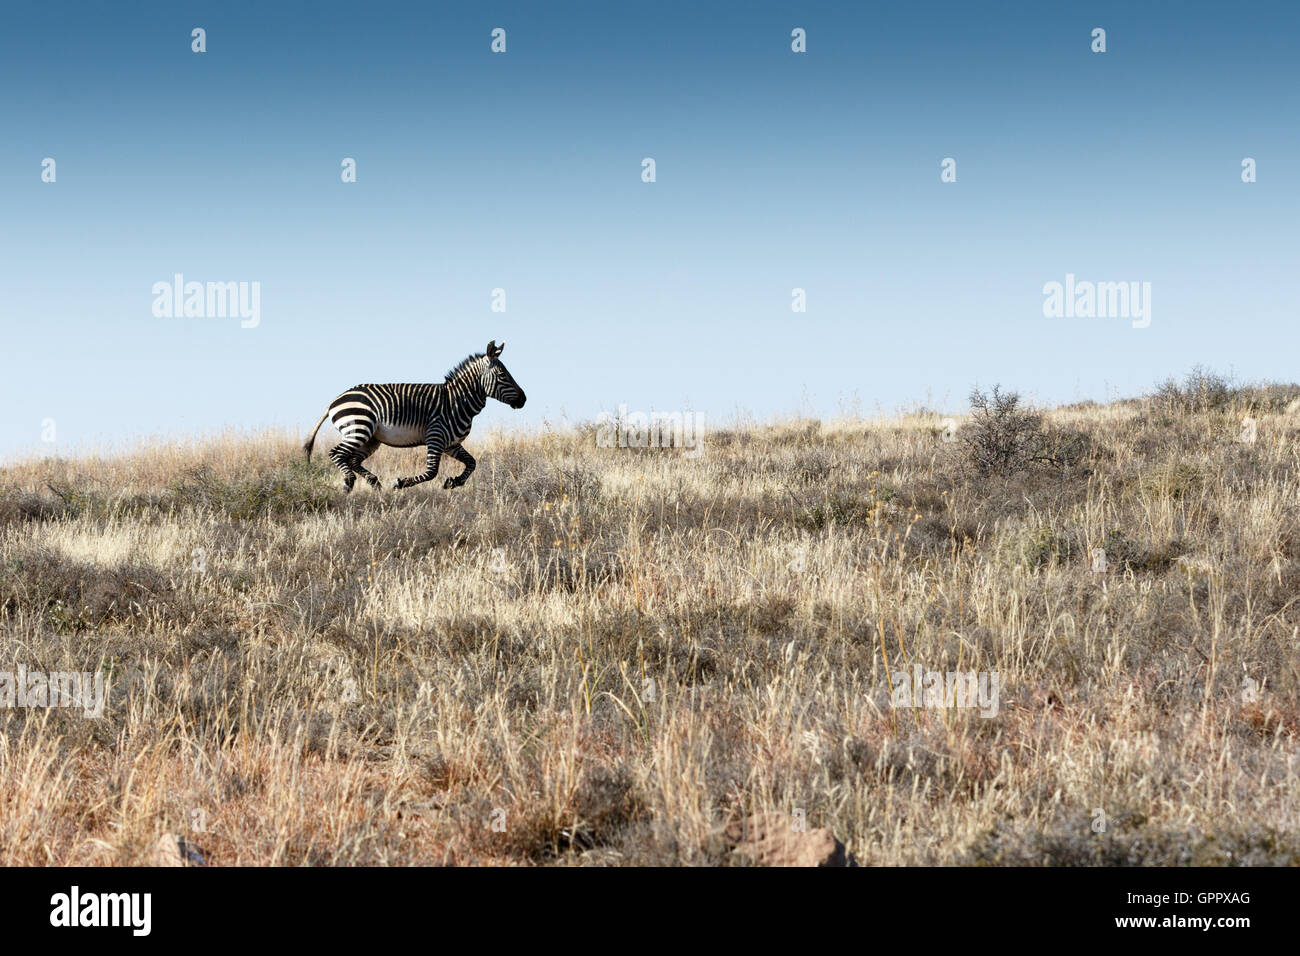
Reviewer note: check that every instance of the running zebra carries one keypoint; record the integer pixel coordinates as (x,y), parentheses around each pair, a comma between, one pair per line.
(436,416)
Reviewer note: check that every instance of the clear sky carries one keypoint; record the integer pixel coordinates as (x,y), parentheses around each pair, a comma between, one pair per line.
(523,171)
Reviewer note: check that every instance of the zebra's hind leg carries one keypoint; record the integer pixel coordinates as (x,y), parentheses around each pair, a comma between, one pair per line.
(466,459)
(340,457)
(344,456)
(364,452)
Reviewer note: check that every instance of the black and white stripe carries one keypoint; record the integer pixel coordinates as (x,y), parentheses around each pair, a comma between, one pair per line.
(436,416)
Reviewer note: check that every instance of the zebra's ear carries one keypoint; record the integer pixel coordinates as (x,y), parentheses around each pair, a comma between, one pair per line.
(493,350)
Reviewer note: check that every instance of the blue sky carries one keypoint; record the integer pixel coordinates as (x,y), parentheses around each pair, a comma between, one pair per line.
(522,171)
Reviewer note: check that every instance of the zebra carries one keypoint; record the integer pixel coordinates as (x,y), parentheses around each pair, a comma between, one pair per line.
(403,416)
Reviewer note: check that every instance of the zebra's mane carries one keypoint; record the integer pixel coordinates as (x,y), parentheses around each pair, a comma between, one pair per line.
(456,370)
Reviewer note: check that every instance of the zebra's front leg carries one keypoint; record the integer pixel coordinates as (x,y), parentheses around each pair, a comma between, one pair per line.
(466,459)
(434,453)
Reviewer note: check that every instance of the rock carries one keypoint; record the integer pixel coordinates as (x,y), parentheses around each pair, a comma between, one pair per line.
(172,850)
(770,839)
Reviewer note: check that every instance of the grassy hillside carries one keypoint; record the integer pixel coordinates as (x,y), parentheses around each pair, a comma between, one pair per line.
(611,653)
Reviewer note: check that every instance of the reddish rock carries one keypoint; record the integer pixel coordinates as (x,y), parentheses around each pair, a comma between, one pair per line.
(770,839)
(172,850)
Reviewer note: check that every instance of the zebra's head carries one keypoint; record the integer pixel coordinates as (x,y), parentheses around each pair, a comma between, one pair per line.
(498,383)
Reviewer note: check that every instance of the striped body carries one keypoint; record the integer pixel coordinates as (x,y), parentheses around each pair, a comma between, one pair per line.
(438,416)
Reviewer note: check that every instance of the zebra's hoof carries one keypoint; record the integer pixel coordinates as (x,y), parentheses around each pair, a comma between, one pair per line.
(451,483)
(397,483)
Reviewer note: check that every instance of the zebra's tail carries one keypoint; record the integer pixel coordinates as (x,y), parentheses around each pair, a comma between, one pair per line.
(311,439)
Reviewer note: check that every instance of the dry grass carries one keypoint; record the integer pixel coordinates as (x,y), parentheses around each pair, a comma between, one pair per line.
(615,652)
